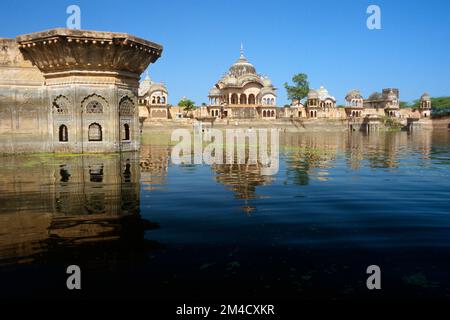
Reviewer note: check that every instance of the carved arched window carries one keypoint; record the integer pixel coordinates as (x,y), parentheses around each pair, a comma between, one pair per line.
(95,132)
(94,107)
(234,98)
(126,132)
(126,107)
(60,106)
(63,133)
(251,99)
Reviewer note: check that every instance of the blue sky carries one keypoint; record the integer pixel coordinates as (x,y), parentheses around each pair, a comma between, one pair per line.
(328,40)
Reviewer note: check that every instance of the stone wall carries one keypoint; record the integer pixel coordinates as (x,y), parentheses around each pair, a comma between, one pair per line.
(441,123)
(24,123)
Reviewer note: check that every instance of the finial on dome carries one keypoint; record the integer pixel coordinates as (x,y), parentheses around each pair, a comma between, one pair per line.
(147,77)
(242,50)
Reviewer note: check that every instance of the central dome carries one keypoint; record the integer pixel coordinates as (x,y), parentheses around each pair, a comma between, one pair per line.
(242,66)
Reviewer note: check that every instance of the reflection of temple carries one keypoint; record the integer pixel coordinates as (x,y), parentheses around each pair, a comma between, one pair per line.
(154,165)
(67,201)
(310,154)
(382,151)
(385,150)
(242,179)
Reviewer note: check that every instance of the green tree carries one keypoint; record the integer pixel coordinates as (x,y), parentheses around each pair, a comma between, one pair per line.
(187,104)
(300,88)
(437,103)
(440,103)
(404,104)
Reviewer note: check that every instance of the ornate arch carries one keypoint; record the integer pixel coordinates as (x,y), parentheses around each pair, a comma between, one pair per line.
(234,98)
(126,106)
(61,105)
(94,103)
(95,132)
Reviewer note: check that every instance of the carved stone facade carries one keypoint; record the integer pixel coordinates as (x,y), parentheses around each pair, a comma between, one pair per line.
(321,105)
(388,100)
(72,91)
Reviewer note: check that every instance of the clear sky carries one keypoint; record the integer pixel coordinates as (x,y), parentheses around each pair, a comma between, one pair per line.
(328,40)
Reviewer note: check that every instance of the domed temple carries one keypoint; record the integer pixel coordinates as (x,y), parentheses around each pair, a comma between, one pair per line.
(388,100)
(153,99)
(320,103)
(243,93)
(76,91)
(425,105)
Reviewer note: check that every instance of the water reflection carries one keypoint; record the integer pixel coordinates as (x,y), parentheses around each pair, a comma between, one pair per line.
(154,165)
(67,201)
(242,179)
(339,202)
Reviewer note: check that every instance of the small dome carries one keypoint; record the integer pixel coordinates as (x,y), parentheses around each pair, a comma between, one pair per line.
(321,94)
(425,97)
(322,90)
(353,94)
(267,82)
(375,96)
(267,90)
(158,87)
(313,94)
(214,92)
(324,94)
(145,85)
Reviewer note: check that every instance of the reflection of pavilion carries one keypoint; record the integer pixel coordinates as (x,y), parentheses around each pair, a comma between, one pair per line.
(307,152)
(379,149)
(242,179)
(154,164)
(67,202)
(384,150)
(318,151)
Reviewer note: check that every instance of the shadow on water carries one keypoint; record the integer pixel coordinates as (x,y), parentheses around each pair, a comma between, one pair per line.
(140,227)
